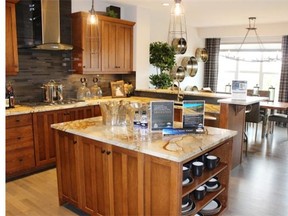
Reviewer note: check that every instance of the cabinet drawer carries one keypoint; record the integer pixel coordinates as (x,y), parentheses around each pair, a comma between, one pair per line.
(19,160)
(18,120)
(19,136)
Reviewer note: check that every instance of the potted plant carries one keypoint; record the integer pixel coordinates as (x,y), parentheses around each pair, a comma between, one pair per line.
(162,56)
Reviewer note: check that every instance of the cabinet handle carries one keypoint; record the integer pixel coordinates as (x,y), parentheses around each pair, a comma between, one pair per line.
(18,138)
(103,151)
(117,66)
(108,152)
(20,159)
(74,142)
(17,120)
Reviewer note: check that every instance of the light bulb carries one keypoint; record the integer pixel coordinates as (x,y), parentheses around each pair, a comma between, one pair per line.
(93,19)
(178,9)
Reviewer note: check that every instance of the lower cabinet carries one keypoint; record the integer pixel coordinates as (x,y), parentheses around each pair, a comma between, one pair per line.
(108,180)
(19,145)
(45,153)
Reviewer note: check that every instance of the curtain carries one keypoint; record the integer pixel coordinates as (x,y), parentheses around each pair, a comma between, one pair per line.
(283,89)
(211,66)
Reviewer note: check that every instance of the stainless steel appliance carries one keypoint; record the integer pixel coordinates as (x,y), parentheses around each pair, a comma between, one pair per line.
(52,92)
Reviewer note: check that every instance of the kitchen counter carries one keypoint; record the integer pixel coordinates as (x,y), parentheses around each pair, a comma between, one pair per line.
(174,148)
(110,170)
(24,109)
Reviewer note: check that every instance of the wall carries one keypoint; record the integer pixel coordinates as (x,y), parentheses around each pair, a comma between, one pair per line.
(39,67)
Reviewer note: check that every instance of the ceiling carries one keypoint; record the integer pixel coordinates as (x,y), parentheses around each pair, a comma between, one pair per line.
(214,13)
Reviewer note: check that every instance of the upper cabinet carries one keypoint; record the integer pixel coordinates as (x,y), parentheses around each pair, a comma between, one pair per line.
(117,45)
(86,45)
(12,66)
(112,52)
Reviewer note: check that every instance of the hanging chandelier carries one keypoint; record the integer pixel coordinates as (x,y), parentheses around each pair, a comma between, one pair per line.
(177,35)
(264,55)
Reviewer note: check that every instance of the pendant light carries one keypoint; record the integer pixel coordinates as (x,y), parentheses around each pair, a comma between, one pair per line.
(177,35)
(92,33)
(93,19)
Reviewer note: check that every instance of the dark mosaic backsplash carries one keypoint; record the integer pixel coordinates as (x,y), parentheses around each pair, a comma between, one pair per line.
(38,67)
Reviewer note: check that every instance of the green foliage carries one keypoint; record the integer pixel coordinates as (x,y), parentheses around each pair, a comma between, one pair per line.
(161,81)
(111,13)
(162,56)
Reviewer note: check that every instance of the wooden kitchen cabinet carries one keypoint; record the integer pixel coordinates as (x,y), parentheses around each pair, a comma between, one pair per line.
(12,65)
(19,145)
(112,52)
(45,152)
(117,45)
(68,164)
(110,178)
(86,45)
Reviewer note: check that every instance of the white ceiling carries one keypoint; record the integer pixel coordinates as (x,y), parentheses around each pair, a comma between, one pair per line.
(213,13)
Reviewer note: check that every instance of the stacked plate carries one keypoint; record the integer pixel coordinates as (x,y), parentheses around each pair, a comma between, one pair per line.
(211,208)
(188,207)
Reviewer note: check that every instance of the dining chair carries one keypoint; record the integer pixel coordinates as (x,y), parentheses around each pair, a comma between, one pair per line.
(277,118)
(255,115)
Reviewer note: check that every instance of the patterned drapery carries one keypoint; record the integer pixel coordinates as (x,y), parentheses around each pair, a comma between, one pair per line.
(211,66)
(283,90)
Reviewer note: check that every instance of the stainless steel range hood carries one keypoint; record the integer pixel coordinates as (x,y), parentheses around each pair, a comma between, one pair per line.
(50,18)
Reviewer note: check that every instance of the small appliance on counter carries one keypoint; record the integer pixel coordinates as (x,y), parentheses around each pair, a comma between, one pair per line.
(52,92)
(96,91)
(83,92)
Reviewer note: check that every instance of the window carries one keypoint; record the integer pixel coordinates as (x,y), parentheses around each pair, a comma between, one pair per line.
(264,74)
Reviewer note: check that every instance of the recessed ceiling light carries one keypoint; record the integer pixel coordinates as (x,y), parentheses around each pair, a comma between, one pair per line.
(165,4)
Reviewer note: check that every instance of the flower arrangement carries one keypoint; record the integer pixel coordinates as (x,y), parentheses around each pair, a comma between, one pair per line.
(128,88)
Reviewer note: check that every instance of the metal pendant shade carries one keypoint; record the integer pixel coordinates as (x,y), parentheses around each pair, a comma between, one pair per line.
(177,35)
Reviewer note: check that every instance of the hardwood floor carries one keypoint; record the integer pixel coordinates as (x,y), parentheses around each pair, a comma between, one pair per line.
(258,187)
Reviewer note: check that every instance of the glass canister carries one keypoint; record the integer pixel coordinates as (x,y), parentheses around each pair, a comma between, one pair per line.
(96,91)
(228,88)
(256,90)
(83,92)
(271,93)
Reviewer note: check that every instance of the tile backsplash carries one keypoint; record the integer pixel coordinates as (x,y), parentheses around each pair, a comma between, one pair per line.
(38,67)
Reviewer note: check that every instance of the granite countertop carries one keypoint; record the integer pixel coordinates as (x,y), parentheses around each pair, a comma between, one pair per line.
(176,148)
(24,109)
(194,93)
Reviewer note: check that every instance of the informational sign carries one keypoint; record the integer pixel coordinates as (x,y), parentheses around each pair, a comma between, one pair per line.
(193,113)
(162,114)
(239,90)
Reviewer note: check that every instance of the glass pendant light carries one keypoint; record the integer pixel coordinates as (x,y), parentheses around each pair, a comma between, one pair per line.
(177,35)
(93,19)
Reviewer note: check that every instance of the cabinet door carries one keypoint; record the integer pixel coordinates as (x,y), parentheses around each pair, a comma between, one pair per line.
(95,196)
(44,137)
(128,181)
(86,43)
(163,186)
(117,47)
(67,168)
(12,66)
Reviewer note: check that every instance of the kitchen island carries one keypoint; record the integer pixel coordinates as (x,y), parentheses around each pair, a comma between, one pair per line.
(106,170)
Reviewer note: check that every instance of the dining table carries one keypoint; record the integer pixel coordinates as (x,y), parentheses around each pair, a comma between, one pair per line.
(269,107)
